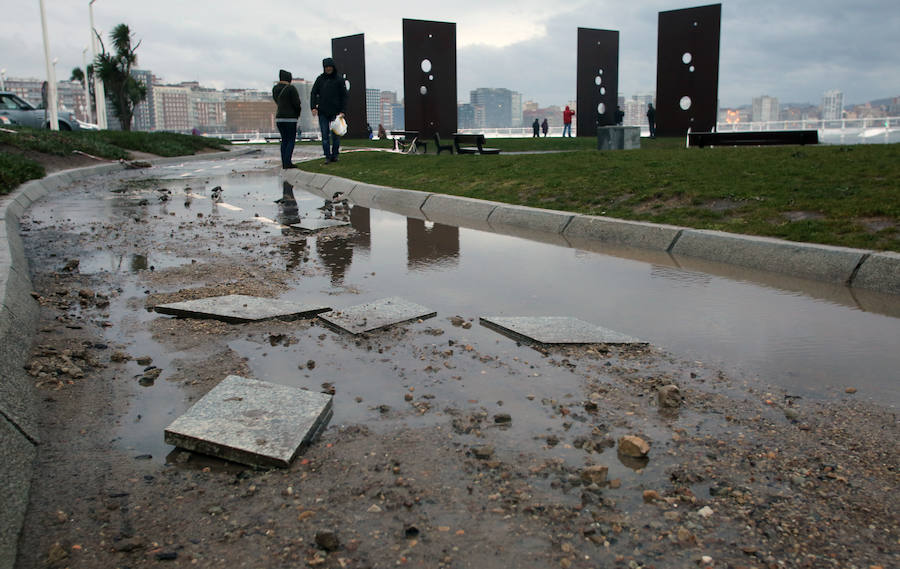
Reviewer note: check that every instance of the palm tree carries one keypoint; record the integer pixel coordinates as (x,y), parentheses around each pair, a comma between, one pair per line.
(114,69)
(81,77)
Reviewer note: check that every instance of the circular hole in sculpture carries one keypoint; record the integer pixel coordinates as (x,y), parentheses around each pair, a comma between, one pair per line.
(686,57)
(601,109)
(602,90)
(431,77)
(696,24)
(347,84)
(423,90)
(426,65)
(599,72)
(598,80)
(431,36)
(691,68)
(685,103)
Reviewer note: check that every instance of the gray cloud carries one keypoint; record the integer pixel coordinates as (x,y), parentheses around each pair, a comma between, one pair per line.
(792,50)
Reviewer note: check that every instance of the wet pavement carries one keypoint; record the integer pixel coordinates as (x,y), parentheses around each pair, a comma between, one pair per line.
(157,235)
(808,343)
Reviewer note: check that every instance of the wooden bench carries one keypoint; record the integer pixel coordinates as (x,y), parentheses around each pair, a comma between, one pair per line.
(754,138)
(476,139)
(409,142)
(441,147)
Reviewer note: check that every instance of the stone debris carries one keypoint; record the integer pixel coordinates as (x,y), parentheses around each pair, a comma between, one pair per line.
(633,446)
(669,397)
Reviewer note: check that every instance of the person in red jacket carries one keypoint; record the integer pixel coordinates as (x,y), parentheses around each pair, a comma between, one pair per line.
(567,121)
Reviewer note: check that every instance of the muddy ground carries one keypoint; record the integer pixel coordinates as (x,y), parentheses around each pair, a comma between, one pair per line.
(421,473)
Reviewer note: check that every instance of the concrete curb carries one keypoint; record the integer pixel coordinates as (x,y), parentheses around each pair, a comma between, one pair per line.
(814,262)
(19,313)
(858,268)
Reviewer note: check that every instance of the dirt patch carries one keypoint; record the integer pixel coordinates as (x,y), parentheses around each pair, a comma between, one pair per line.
(52,162)
(878,224)
(656,205)
(802,216)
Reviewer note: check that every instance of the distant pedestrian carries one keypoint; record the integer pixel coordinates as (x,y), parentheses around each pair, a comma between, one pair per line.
(287,100)
(536,127)
(620,115)
(195,131)
(545,127)
(651,119)
(381,132)
(567,121)
(369,130)
(328,100)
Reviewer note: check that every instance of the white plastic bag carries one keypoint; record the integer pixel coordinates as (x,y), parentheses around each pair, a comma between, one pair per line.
(339,126)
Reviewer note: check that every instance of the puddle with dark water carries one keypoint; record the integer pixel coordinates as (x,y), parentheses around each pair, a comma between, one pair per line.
(810,338)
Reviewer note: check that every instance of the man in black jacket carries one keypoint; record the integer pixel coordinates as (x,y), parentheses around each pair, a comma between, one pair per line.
(328,100)
(288,100)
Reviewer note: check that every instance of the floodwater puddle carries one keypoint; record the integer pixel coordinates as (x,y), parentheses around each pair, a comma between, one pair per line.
(811,339)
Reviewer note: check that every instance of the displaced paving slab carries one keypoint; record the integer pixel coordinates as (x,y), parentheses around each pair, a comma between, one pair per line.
(252,422)
(319,224)
(376,315)
(237,308)
(555,330)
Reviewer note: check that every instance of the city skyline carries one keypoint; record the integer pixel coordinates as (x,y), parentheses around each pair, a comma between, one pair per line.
(794,51)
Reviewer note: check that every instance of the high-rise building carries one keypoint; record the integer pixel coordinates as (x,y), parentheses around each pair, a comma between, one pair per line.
(373,107)
(388,103)
(766,109)
(143,112)
(832,105)
(516,110)
(502,107)
(250,116)
(399,117)
(172,108)
(636,110)
(465,115)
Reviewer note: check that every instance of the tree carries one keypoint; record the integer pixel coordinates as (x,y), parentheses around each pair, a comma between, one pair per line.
(114,69)
(81,77)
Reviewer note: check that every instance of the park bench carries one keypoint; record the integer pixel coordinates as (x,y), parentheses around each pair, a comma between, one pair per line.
(476,139)
(409,142)
(754,138)
(441,147)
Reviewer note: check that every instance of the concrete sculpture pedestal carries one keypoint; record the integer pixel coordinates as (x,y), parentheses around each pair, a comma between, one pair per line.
(618,137)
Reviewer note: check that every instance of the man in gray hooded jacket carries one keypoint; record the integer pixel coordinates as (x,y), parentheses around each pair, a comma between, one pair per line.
(328,101)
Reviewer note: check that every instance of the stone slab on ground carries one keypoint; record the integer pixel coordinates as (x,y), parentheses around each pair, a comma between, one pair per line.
(376,315)
(555,330)
(237,308)
(17,456)
(252,422)
(319,224)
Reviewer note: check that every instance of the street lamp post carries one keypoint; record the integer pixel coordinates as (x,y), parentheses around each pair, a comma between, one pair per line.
(51,81)
(87,88)
(99,93)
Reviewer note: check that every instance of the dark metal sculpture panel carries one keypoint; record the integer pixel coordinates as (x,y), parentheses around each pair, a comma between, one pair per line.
(349,54)
(429,77)
(687,72)
(598,80)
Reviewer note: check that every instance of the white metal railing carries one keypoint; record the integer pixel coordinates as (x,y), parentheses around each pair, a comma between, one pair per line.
(844,131)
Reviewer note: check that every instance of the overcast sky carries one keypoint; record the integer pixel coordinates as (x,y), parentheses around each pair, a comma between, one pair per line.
(790,49)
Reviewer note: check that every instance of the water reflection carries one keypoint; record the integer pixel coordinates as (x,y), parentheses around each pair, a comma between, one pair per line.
(431,244)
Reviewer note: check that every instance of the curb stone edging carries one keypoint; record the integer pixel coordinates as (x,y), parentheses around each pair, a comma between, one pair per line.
(857,268)
(19,314)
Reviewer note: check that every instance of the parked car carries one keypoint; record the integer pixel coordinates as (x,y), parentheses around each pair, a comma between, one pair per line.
(23,113)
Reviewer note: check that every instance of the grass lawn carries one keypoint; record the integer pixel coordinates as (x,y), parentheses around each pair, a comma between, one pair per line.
(20,150)
(838,195)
